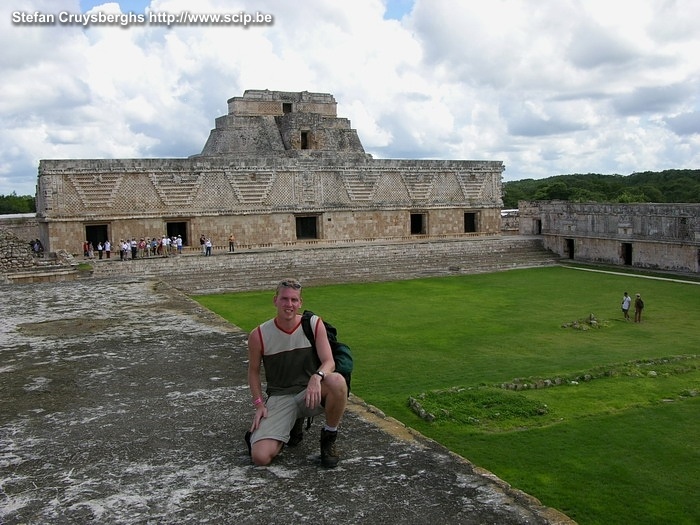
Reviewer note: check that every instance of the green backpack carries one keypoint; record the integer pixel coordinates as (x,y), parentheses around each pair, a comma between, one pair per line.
(342,355)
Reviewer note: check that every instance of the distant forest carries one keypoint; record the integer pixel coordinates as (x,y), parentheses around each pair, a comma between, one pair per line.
(648,186)
(17,204)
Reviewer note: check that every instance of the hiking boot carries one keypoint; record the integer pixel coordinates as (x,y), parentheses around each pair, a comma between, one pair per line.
(297,433)
(329,456)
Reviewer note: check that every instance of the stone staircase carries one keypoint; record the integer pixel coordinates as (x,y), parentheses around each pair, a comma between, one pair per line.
(261,268)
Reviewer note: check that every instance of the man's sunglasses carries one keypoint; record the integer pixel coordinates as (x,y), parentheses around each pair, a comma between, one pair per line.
(290,284)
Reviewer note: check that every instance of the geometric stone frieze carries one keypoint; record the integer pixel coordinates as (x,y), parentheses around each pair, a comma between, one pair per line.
(361,185)
(473,186)
(96,190)
(310,187)
(419,184)
(491,190)
(251,187)
(176,189)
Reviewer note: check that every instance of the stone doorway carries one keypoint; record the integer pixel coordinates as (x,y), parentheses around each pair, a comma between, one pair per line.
(307,227)
(627,253)
(178,228)
(569,248)
(96,233)
(470,222)
(418,224)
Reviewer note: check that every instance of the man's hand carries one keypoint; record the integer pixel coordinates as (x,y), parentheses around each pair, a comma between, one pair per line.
(313,392)
(260,412)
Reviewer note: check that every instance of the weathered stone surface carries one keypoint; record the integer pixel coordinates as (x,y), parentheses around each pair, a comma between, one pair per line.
(263,121)
(15,254)
(323,264)
(18,258)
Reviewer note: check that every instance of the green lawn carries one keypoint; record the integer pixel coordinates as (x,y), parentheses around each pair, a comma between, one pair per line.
(620,448)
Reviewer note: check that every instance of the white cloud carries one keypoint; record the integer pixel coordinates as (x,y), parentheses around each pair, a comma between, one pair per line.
(546,87)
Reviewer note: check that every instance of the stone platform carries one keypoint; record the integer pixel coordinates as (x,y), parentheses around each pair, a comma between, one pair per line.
(124,401)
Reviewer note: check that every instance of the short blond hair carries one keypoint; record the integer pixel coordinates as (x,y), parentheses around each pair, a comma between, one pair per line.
(288,283)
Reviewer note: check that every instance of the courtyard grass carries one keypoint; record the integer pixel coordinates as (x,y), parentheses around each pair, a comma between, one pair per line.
(616,442)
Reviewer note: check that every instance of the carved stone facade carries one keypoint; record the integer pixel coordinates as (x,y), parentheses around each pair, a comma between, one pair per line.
(654,236)
(280,168)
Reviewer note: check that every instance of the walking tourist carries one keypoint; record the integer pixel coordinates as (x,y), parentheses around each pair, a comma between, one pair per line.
(638,307)
(626,302)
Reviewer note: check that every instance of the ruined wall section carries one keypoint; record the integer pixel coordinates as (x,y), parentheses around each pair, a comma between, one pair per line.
(653,222)
(656,236)
(23,225)
(15,253)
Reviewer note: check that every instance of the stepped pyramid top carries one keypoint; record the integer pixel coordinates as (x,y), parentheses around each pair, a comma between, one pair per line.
(264,123)
(257,102)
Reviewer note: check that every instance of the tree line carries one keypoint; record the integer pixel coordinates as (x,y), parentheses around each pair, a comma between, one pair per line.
(14,203)
(647,186)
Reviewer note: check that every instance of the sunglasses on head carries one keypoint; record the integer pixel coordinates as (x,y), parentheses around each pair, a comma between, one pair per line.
(291,284)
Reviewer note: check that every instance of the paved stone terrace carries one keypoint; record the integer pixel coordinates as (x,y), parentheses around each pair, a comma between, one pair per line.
(360,262)
(123,401)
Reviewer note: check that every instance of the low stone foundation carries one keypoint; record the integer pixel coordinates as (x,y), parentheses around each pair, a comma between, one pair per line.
(317,265)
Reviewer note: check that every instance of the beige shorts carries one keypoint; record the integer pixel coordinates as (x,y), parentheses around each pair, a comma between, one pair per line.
(282,413)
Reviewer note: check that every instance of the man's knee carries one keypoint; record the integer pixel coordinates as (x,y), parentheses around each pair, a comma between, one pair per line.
(261,460)
(336,384)
(264,451)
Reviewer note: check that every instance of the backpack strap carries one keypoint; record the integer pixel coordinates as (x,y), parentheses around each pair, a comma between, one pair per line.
(306,326)
(309,332)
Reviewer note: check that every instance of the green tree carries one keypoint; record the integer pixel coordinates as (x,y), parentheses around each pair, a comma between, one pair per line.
(557,190)
(665,186)
(512,195)
(17,204)
(631,196)
(652,193)
(586,195)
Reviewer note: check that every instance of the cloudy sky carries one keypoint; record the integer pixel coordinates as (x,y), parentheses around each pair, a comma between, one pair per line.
(548,87)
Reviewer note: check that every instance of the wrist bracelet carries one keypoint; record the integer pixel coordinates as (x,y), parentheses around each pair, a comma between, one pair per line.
(258,401)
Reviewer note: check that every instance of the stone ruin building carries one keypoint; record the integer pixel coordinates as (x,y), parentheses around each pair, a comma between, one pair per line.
(282,169)
(279,168)
(653,236)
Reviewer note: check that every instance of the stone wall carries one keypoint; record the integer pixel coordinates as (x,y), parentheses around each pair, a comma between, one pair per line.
(92,189)
(654,236)
(15,253)
(24,225)
(18,263)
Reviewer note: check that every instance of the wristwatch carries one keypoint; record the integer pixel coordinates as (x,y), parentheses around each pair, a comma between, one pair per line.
(318,372)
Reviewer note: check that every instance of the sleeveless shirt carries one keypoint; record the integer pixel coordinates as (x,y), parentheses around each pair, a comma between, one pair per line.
(288,358)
